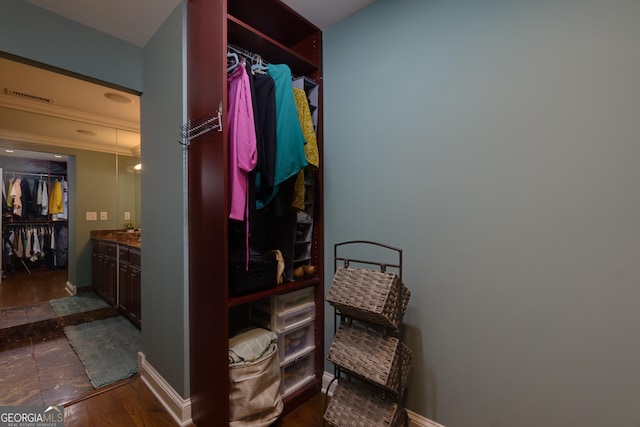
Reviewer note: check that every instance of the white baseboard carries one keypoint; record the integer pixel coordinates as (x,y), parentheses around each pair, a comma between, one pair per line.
(71,288)
(415,420)
(179,408)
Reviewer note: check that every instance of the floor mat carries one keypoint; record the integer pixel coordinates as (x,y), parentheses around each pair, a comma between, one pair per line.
(107,348)
(85,301)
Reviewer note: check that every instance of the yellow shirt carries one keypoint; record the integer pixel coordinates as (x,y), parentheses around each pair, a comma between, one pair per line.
(310,148)
(55,198)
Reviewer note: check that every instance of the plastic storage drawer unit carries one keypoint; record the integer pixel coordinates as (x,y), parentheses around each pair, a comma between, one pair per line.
(280,322)
(284,302)
(297,372)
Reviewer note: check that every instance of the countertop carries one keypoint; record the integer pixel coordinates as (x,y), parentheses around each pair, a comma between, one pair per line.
(121,237)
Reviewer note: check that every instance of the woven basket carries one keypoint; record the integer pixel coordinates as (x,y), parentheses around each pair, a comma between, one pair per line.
(360,405)
(372,356)
(369,295)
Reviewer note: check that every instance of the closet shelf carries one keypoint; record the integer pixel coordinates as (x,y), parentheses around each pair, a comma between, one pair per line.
(282,24)
(247,37)
(279,289)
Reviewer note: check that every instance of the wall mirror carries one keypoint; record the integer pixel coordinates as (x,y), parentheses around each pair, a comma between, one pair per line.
(93,127)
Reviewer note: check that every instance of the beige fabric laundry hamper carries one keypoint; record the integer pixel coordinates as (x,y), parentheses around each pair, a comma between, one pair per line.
(254,390)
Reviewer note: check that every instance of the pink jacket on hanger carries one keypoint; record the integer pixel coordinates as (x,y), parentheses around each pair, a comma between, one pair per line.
(243,155)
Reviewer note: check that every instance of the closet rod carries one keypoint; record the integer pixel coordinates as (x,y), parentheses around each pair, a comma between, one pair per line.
(248,55)
(43,222)
(254,58)
(42,174)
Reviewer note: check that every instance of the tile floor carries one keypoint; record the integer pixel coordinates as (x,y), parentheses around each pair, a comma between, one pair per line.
(41,370)
(37,364)
(14,316)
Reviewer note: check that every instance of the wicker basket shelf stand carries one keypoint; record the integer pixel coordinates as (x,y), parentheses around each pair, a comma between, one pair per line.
(371,361)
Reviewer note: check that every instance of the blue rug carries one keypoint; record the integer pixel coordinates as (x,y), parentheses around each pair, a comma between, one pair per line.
(84,301)
(108,349)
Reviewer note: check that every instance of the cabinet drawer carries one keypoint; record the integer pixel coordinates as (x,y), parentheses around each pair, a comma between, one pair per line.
(123,253)
(134,257)
(108,249)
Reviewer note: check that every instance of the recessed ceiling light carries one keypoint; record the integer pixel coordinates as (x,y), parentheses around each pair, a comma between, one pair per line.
(116,97)
(8,151)
(57,156)
(86,132)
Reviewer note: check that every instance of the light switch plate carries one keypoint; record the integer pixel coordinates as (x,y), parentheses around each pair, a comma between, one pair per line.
(103,216)
(91,216)
(127,216)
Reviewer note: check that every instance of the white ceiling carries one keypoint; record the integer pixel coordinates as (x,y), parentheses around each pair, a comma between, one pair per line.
(43,107)
(137,20)
(78,106)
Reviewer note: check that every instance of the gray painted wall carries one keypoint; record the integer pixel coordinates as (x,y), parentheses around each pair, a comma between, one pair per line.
(36,34)
(496,142)
(164,255)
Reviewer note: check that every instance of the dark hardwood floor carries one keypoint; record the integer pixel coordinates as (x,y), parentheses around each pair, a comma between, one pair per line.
(307,415)
(44,370)
(130,403)
(21,288)
(126,403)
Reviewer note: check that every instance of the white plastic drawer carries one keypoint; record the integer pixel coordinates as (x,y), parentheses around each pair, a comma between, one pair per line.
(280,322)
(290,300)
(297,373)
(296,341)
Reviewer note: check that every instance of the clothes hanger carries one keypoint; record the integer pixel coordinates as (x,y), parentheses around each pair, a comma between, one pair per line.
(258,66)
(234,61)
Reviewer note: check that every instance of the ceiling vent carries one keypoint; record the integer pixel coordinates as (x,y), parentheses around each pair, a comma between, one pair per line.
(28,96)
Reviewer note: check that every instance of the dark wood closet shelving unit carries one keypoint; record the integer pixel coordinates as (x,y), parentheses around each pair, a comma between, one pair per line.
(279,35)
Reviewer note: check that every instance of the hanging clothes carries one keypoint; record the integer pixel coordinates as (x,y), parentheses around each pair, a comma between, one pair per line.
(19,244)
(25,191)
(310,148)
(64,186)
(36,250)
(265,103)
(8,249)
(306,125)
(55,198)
(242,141)
(35,208)
(16,195)
(10,193)
(44,198)
(290,156)
(4,195)
(61,246)
(28,241)
(242,148)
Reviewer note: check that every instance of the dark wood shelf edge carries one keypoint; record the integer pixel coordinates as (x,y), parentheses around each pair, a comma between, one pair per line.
(279,289)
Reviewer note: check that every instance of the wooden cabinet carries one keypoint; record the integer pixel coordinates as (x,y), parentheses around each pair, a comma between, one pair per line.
(280,36)
(105,270)
(129,284)
(115,276)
